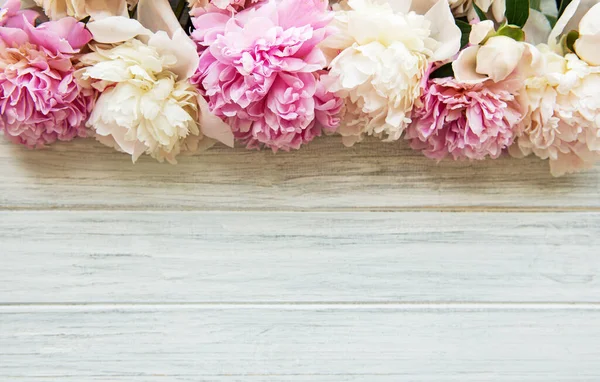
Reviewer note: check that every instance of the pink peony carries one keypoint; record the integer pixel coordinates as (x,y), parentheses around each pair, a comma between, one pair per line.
(40,99)
(465,120)
(261,72)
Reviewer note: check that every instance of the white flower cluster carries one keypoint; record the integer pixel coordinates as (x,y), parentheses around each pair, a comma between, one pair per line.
(466,78)
(562,100)
(147,103)
(562,120)
(385,51)
(134,77)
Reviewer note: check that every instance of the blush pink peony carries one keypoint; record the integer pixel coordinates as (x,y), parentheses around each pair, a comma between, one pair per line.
(40,99)
(466,121)
(261,72)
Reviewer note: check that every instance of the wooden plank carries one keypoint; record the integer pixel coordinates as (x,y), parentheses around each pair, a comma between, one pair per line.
(324,176)
(214,343)
(57,256)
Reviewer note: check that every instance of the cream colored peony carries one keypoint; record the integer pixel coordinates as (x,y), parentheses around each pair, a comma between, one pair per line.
(80,9)
(147,103)
(143,108)
(494,8)
(588,42)
(561,121)
(494,57)
(385,50)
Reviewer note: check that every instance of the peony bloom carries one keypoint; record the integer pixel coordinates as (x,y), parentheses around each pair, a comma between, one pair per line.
(471,121)
(495,57)
(587,44)
(80,9)
(460,7)
(381,54)
(493,8)
(147,103)
(41,101)
(562,105)
(261,71)
(143,108)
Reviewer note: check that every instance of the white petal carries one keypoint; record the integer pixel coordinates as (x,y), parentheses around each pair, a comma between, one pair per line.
(99,9)
(400,6)
(538,28)
(157,15)
(464,66)
(444,30)
(499,57)
(180,46)
(590,23)
(212,126)
(560,25)
(480,31)
(583,8)
(116,29)
(588,49)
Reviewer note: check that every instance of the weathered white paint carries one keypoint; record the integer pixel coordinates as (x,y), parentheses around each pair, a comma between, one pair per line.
(307,343)
(98,256)
(324,175)
(328,264)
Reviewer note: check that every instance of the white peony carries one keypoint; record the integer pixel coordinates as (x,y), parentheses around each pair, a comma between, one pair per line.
(147,103)
(588,42)
(562,108)
(385,49)
(493,8)
(581,16)
(494,57)
(142,107)
(460,7)
(80,9)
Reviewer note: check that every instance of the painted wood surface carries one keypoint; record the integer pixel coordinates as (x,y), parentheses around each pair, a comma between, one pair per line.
(323,176)
(307,343)
(93,256)
(328,264)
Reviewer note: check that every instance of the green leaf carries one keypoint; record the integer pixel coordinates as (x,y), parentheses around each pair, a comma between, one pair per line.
(511,31)
(552,20)
(570,39)
(563,5)
(517,12)
(465,29)
(535,4)
(479,12)
(443,71)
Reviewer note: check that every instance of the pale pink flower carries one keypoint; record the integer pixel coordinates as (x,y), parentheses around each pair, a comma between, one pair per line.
(261,72)
(561,114)
(40,99)
(466,121)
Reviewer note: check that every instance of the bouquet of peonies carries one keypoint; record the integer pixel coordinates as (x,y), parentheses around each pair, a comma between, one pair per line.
(465,79)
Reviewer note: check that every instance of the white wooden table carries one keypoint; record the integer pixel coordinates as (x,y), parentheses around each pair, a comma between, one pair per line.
(328,264)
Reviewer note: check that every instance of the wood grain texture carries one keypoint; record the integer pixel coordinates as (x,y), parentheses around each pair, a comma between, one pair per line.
(324,176)
(308,257)
(366,264)
(304,343)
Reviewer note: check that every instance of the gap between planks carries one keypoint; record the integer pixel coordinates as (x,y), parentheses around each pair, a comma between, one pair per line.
(325,305)
(448,209)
